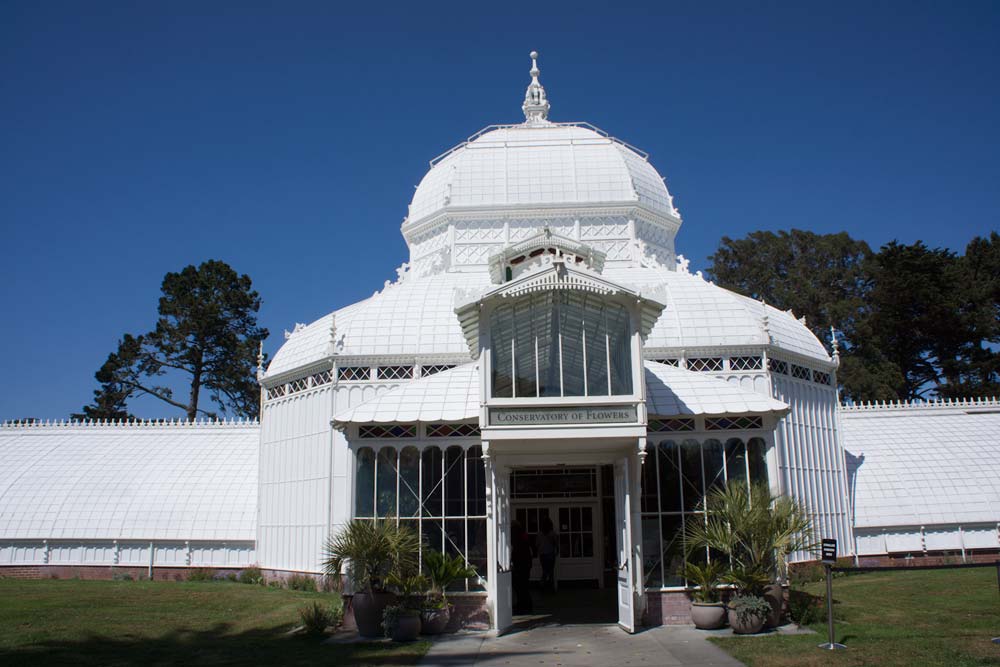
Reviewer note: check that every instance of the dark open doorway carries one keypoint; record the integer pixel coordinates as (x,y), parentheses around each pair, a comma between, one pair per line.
(577,503)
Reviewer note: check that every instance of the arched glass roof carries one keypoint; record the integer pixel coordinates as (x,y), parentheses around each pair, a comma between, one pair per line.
(129,481)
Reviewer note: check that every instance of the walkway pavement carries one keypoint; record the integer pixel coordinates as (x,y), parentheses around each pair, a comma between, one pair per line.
(578,645)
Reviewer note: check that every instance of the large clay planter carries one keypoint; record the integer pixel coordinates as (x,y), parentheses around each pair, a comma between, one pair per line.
(434,621)
(753,625)
(775,596)
(407,627)
(708,615)
(368,612)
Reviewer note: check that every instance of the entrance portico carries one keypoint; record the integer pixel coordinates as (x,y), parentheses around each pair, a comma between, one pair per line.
(503,457)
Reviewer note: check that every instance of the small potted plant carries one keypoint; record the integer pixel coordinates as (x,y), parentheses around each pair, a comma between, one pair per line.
(707,611)
(402,620)
(442,571)
(371,550)
(747,614)
(401,623)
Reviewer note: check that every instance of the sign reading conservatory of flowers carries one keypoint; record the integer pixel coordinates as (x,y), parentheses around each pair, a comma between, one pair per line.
(597,414)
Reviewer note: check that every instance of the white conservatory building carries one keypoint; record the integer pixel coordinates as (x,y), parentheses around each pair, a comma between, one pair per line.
(543,352)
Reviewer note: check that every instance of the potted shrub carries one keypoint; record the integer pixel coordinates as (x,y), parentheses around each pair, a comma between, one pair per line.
(370,550)
(707,612)
(442,571)
(402,620)
(747,613)
(402,624)
(756,532)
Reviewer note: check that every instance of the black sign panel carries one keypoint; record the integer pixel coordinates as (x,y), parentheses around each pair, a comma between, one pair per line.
(830,552)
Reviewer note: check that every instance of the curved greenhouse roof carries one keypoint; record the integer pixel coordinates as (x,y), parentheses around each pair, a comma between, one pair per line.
(129,481)
(924,464)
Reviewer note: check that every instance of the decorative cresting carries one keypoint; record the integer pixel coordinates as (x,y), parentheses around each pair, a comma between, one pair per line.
(536,105)
(131,424)
(544,248)
(990,403)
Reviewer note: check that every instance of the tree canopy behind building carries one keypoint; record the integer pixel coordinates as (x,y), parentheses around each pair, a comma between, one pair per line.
(913,322)
(206,332)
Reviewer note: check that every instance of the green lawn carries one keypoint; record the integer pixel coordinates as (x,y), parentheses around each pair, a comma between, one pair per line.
(931,618)
(166,623)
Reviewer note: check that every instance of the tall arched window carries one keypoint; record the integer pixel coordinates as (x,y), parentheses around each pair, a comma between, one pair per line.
(560,344)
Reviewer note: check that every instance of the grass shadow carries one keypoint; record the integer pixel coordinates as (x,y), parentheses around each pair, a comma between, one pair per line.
(217,645)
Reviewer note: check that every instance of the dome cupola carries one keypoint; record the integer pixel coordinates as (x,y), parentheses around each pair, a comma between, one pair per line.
(508,182)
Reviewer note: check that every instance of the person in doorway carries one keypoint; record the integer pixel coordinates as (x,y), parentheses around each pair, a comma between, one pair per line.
(547,544)
(521,557)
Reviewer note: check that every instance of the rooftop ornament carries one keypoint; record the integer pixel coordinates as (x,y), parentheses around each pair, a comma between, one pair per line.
(536,105)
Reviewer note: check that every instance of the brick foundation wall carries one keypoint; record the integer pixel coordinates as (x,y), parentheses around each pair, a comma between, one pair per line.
(105,572)
(667,608)
(930,558)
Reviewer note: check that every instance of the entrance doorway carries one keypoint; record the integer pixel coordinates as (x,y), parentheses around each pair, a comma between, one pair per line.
(590,503)
(572,499)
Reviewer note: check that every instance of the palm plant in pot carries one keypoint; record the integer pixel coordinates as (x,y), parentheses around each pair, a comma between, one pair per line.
(369,550)
(442,571)
(755,532)
(707,611)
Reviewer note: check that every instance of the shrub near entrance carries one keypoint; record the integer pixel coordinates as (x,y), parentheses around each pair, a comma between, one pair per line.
(373,550)
(755,532)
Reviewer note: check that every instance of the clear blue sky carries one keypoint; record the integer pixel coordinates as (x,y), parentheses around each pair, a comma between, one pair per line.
(286,139)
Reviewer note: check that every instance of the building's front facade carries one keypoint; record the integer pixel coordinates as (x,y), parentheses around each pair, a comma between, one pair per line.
(543,353)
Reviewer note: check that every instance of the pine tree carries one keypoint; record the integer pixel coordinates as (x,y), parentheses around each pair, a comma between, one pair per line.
(207,332)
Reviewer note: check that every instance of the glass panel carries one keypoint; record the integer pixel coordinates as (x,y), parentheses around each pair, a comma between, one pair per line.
(571,330)
(455,536)
(364,490)
(409,482)
(756,455)
(736,464)
(673,549)
(597,349)
(651,551)
(620,346)
(546,328)
(432,482)
(477,551)
(649,500)
(715,469)
(691,468)
(588,518)
(524,348)
(432,534)
(476,475)
(588,545)
(670,478)
(454,482)
(385,473)
(501,334)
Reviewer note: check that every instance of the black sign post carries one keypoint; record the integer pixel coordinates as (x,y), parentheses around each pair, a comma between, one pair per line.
(829,559)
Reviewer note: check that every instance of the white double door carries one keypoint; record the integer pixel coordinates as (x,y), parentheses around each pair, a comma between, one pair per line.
(577,525)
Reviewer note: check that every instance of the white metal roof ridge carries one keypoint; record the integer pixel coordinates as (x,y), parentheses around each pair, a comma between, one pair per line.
(678,392)
(451,395)
(509,126)
(239,422)
(917,404)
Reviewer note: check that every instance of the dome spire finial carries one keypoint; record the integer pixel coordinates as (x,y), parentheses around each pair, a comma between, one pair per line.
(536,106)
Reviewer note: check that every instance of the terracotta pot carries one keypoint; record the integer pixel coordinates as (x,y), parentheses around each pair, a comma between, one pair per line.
(434,621)
(775,596)
(753,625)
(368,612)
(407,627)
(708,615)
